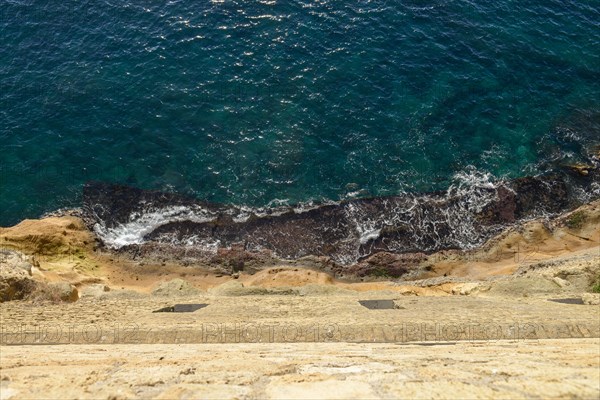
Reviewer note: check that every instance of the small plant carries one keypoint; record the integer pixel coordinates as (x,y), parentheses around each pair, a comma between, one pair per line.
(576,220)
(53,293)
(380,272)
(596,286)
(44,292)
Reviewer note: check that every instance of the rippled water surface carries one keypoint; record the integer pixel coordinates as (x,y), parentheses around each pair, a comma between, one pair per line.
(260,103)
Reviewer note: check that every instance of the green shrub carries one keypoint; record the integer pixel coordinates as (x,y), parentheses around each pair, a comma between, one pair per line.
(576,220)
(380,272)
(596,286)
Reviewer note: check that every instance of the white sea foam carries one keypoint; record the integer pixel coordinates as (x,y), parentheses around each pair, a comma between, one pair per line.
(275,208)
(369,235)
(141,224)
(469,194)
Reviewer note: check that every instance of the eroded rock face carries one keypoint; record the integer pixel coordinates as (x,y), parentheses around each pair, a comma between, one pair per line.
(15,276)
(16,259)
(48,236)
(385,265)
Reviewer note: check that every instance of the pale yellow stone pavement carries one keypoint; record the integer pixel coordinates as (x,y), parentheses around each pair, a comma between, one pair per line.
(538,369)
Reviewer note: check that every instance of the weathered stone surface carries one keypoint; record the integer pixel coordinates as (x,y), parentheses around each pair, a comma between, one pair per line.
(591,299)
(94,290)
(14,285)
(64,291)
(502,210)
(326,389)
(577,273)
(490,370)
(16,259)
(563,283)
(175,287)
(385,265)
(15,276)
(465,289)
(524,286)
(48,236)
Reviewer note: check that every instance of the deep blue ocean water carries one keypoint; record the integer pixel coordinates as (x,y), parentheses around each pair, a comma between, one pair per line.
(261,103)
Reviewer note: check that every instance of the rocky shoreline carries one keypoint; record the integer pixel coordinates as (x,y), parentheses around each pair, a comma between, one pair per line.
(56,257)
(386,236)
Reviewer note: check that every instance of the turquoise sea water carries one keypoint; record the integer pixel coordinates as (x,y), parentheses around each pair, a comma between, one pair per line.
(267,102)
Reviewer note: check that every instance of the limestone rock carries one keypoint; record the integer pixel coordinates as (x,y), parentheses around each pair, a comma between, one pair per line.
(466,289)
(519,286)
(15,276)
(577,273)
(591,299)
(16,259)
(95,290)
(561,282)
(283,276)
(48,236)
(326,389)
(64,291)
(9,393)
(237,288)
(175,287)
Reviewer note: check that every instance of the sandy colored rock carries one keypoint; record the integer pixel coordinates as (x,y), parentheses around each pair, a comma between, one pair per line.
(94,290)
(15,276)
(175,287)
(563,283)
(527,285)
(47,236)
(281,388)
(591,299)
(237,288)
(274,277)
(567,368)
(581,169)
(65,251)
(287,317)
(465,289)
(16,259)
(64,291)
